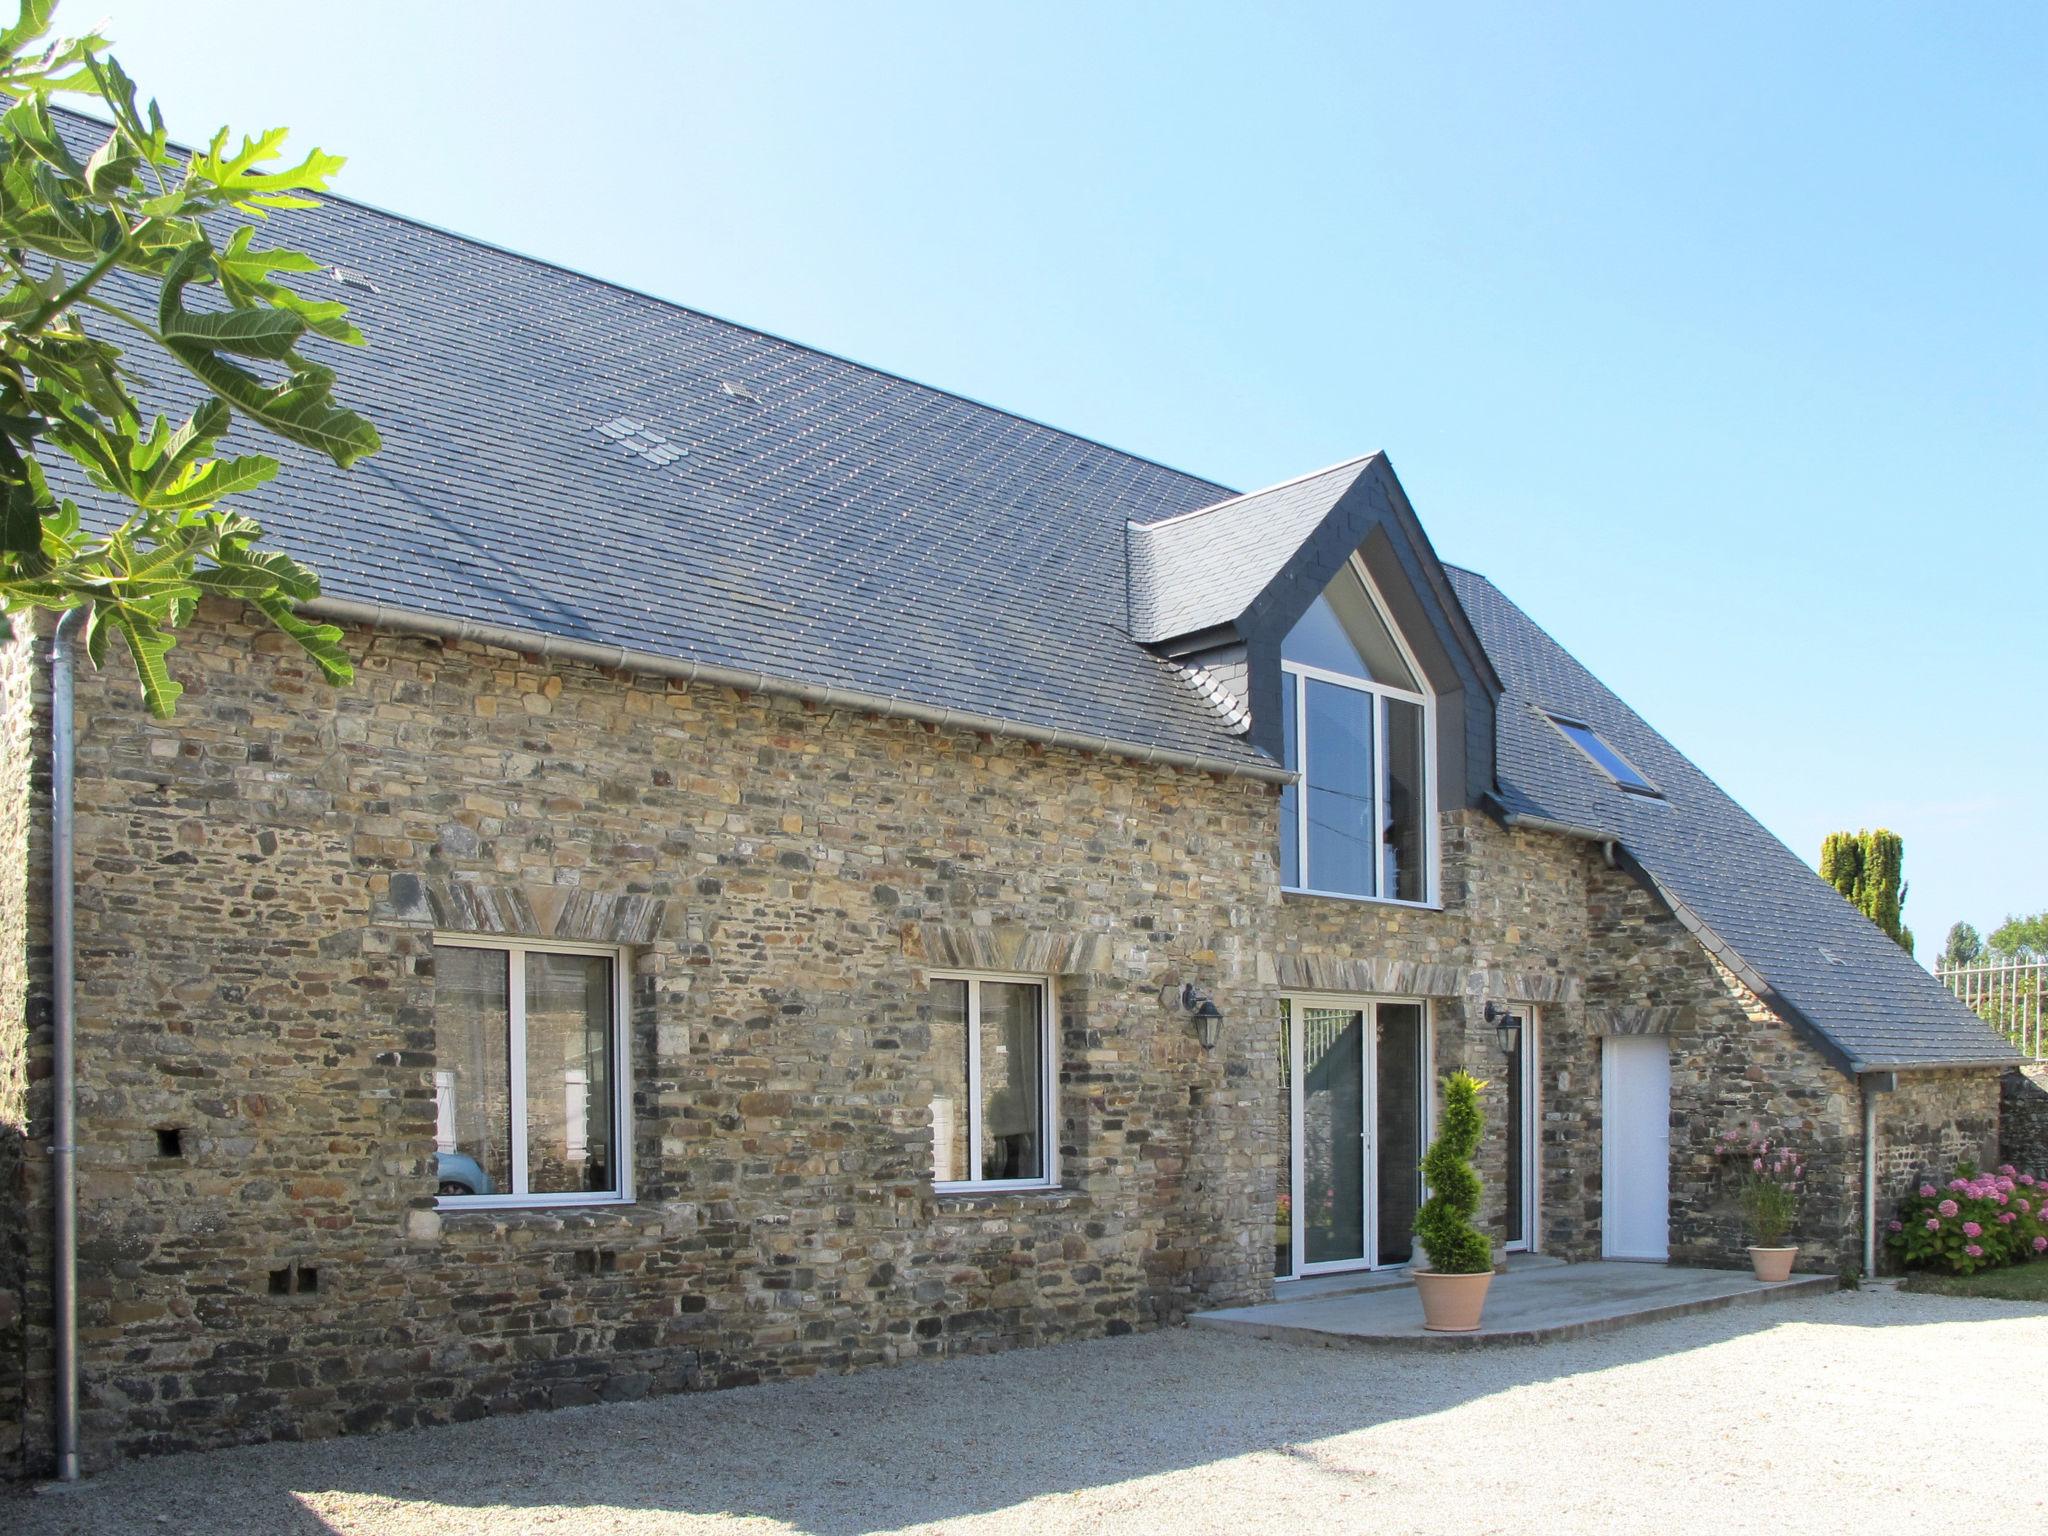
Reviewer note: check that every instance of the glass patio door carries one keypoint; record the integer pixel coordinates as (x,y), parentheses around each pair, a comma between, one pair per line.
(1353,1076)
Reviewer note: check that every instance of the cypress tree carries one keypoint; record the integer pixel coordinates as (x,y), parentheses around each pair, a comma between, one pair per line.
(1868,868)
(1841,865)
(1884,886)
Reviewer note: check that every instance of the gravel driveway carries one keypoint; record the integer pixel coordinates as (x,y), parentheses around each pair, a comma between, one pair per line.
(1839,1413)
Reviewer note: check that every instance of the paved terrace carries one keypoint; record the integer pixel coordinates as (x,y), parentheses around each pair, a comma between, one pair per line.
(1535,1302)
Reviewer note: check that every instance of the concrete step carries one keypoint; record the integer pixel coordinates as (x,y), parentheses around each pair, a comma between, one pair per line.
(1530,1305)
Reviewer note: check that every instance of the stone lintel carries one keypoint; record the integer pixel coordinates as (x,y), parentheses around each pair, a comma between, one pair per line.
(1634,1021)
(999,947)
(1413,978)
(517,910)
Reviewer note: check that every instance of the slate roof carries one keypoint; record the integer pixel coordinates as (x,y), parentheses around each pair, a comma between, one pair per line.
(826,522)
(1820,960)
(1201,569)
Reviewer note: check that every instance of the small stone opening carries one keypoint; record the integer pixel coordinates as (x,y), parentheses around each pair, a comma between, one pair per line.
(309,1280)
(170,1141)
(597,1261)
(281,1281)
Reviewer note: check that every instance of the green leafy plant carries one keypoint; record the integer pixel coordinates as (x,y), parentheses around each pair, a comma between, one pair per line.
(137,239)
(1868,869)
(2019,938)
(1765,1175)
(1444,1224)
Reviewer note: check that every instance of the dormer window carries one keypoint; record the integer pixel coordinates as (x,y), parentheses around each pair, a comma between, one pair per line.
(1359,723)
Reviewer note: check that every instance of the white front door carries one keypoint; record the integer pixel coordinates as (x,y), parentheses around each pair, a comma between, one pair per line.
(1636,1155)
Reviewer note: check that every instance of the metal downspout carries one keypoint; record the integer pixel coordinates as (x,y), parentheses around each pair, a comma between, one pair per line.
(1872,1083)
(64,1088)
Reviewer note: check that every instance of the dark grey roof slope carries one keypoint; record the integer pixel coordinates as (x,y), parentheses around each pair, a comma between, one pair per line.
(1819,958)
(1203,568)
(822,522)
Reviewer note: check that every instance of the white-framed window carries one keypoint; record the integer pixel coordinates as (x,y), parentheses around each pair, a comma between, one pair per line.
(1359,724)
(992,1082)
(532,1093)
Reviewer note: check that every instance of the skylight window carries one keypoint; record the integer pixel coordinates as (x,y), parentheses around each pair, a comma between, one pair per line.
(1605,757)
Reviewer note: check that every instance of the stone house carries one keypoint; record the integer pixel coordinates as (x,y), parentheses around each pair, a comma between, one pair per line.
(754,911)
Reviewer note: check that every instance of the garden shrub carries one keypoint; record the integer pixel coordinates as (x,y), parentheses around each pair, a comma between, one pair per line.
(1444,1224)
(1975,1221)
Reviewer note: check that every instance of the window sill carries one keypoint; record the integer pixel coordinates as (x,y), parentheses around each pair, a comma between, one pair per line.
(1370,901)
(449,1205)
(966,1196)
(951,1190)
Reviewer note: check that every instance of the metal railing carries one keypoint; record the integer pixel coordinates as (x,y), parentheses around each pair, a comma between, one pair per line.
(2011,996)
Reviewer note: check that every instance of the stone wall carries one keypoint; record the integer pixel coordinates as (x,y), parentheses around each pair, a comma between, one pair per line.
(259,883)
(1929,1124)
(16,763)
(2023,1118)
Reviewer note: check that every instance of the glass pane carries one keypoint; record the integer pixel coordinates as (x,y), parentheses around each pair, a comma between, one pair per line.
(1012,1081)
(1290,796)
(473,1079)
(568,1075)
(1333,1134)
(949,1082)
(1342,840)
(1343,632)
(1399,1027)
(1283,1199)
(1517,1139)
(1406,872)
(1595,746)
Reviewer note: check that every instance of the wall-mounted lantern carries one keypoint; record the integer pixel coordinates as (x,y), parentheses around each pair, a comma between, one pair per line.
(1507,1027)
(1208,1017)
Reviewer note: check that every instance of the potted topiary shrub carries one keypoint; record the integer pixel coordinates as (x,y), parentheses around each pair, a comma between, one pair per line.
(1460,1256)
(1766,1176)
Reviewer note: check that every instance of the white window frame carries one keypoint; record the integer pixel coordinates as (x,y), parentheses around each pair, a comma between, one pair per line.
(1367,1003)
(1303,674)
(1048,1083)
(516,951)
(1531,1240)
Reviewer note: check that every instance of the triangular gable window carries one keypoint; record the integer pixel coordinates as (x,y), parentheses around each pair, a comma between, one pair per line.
(1345,633)
(1359,727)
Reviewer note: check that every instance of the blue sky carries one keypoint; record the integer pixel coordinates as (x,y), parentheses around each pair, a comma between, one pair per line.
(1715,335)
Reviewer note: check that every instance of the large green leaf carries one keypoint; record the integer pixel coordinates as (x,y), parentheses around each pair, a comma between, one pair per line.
(148,644)
(322,642)
(32,23)
(162,532)
(267,333)
(300,409)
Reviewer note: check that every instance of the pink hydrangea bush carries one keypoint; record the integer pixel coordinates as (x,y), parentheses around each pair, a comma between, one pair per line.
(1974,1221)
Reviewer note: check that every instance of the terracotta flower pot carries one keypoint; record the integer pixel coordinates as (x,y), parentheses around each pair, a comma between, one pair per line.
(1451,1303)
(1772,1264)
